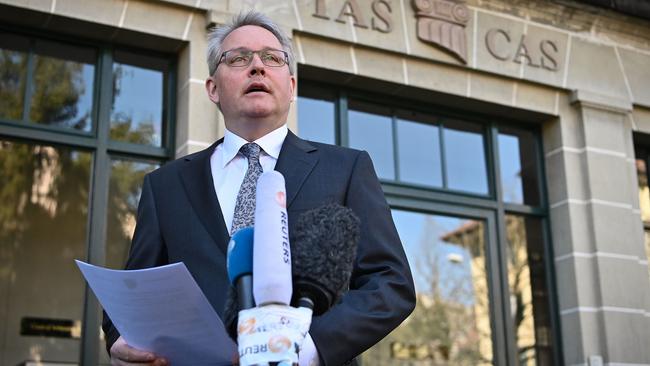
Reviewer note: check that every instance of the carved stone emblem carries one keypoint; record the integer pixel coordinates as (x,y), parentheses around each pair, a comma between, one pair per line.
(442,23)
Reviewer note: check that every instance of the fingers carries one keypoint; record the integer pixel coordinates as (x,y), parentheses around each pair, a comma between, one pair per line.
(124,355)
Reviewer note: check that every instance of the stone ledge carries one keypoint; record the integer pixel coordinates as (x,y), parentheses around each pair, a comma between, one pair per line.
(599,101)
(215,17)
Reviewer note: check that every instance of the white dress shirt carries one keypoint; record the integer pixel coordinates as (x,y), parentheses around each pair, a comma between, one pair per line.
(229,167)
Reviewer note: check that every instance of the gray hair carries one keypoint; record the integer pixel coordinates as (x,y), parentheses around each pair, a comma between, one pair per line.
(217,35)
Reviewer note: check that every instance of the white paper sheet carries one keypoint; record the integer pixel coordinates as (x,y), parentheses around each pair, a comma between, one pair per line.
(162,310)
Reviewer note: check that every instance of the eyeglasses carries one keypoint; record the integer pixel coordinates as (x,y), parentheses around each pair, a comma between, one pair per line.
(242,57)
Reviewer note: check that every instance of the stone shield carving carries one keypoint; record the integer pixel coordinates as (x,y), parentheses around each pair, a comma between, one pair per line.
(442,23)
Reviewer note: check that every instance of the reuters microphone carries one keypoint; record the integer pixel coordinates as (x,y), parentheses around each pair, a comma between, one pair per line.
(272,332)
(271,251)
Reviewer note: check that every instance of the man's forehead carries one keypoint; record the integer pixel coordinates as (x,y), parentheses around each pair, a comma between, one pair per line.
(250,36)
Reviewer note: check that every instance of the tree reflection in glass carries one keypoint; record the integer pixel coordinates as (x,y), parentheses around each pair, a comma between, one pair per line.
(62,93)
(518,166)
(528,290)
(62,81)
(125,187)
(13,76)
(124,195)
(43,224)
(451,322)
(62,86)
(136,113)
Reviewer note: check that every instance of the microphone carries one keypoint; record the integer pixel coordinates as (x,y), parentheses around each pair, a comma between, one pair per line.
(324,248)
(240,266)
(272,332)
(272,251)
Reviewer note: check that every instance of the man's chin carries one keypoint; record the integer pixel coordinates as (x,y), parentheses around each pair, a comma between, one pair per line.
(259,115)
(259,112)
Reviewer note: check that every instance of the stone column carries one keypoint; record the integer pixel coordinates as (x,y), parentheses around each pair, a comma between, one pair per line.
(600,260)
(199,122)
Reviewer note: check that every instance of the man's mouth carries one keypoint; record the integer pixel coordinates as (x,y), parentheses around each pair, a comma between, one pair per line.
(257,87)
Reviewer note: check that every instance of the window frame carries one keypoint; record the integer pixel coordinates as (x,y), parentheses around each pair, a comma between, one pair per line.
(444,201)
(103,149)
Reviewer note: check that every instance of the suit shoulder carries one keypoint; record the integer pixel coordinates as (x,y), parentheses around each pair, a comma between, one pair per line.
(173,166)
(336,150)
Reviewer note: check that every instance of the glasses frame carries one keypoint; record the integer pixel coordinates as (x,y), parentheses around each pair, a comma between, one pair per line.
(223,57)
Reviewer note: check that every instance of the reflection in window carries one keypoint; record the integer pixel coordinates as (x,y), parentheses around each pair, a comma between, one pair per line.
(528,290)
(373,133)
(124,194)
(510,169)
(125,186)
(644,190)
(418,151)
(451,322)
(517,166)
(43,218)
(62,91)
(316,120)
(137,110)
(465,157)
(644,198)
(62,82)
(13,75)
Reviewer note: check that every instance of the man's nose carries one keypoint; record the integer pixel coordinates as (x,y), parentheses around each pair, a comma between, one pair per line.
(257,66)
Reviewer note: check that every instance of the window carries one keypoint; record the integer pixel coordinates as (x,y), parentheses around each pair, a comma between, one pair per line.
(642,160)
(80,125)
(370,128)
(317,115)
(468,204)
(405,146)
(46,82)
(451,323)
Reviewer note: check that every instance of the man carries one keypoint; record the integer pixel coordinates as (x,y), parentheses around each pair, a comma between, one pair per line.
(188,206)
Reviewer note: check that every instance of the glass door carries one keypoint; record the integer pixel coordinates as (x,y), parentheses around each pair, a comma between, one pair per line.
(453,323)
(44,191)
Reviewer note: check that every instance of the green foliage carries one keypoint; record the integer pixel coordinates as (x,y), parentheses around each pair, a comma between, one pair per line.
(58,85)
(45,190)
(13,76)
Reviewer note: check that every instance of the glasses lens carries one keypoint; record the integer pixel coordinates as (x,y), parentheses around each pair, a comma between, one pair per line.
(238,58)
(272,57)
(243,57)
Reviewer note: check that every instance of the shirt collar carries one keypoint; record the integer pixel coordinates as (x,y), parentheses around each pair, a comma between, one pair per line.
(271,143)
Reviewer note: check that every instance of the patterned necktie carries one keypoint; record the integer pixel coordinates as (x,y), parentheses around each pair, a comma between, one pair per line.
(245,206)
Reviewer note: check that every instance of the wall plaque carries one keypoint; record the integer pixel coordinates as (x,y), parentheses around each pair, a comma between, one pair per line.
(47,327)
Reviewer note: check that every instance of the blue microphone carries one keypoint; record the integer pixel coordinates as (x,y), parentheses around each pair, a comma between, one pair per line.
(240,266)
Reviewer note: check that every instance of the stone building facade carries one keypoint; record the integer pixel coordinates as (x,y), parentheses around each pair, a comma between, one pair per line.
(569,83)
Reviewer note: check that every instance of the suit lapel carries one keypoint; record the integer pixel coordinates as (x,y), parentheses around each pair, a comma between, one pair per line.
(196,176)
(296,161)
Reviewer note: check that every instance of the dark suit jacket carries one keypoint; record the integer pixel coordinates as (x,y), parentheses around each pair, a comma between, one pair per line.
(180,220)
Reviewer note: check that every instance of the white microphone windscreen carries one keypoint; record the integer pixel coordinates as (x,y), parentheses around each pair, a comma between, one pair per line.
(272,281)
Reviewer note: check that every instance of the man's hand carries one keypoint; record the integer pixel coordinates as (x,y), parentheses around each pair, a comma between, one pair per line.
(124,355)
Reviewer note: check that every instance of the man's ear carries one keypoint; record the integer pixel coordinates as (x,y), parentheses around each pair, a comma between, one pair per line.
(292,80)
(211,88)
